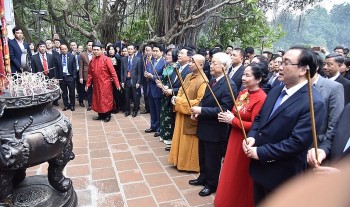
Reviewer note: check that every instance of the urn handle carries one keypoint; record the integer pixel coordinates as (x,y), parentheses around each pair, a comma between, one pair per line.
(13,148)
(19,132)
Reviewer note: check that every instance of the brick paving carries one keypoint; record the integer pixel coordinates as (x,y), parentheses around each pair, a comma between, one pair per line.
(117,164)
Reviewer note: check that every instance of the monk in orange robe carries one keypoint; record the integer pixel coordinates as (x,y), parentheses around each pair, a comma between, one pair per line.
(184,146)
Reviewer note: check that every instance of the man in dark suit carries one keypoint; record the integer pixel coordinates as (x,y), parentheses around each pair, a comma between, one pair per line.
(337,147)
(137,52)
(146,62)
(66,73)
(249,51)
(206,68)
(281,134)
(331,68)
(274,73)
(49,48)
(236,70)
(341,141)
(212,133)
(131,68)
(17,47)
(155,93)
(80,87)
(332,92)
(44,62)
(85,58)
(183,59)
(57,45)
(56,57)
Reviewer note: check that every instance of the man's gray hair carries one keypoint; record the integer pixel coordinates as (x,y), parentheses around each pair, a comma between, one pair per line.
(224,58)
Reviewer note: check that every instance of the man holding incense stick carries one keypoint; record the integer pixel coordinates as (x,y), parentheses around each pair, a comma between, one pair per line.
(212,133)
(153,72)
(282,133)
(184,146)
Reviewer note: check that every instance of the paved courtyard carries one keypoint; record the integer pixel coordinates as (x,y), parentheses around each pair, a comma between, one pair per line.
(117,164)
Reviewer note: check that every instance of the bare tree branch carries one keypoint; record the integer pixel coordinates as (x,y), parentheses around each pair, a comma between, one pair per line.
(92,34)
(193,17)
(202,7)
(87,13)
(173,31)
(149,26)
(218,15)
(191,26)
(183,30)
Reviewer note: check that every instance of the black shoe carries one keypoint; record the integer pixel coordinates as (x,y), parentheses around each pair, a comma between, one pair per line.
(196,182)
(206,192)
(97,118)
(167,149)
(65,108)
(88,108)
(157,134)
(55,103)
(107,119)
(72,108)
(144,112)
(127,114)
(134,114)
(81,104)
(150,130)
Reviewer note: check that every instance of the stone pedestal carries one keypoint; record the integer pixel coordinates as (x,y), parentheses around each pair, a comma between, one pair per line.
(36,191)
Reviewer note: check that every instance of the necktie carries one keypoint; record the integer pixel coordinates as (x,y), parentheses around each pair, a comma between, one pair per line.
(213,83)
(77,62)
(46,69)
(64,65)
(229,70)
(64,61)
(129,67)
(278,102)
(271,80)
(129,64)
(230,74)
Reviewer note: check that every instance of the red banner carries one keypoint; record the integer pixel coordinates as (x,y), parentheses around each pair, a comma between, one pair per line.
(5,68)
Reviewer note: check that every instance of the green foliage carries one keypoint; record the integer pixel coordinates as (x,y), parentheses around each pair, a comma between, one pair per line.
(340,15)
(249,24)
(244,30)
(317,28)
(136,31)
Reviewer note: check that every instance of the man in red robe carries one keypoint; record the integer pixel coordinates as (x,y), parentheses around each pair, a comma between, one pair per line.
(100,74)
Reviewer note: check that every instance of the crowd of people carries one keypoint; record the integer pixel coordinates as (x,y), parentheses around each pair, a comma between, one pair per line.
(243,121)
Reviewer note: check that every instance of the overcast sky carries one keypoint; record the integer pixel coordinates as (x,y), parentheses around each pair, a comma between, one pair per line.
(328,4)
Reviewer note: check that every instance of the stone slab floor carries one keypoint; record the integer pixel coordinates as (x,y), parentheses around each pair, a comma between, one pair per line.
(117,164)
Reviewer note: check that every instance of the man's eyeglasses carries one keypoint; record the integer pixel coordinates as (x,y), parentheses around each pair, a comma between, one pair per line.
(286,63)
